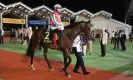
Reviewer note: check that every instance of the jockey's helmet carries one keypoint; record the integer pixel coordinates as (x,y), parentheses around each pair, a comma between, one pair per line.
(57,6)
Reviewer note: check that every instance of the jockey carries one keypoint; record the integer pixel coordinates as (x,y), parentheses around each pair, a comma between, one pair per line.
(55,23)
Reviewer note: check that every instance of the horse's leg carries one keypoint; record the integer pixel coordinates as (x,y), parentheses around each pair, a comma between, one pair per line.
(45,56)
(31,62)
(66,56)
(31,50)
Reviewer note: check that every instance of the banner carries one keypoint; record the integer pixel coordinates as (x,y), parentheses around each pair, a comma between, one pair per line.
(14,21)
(36,22)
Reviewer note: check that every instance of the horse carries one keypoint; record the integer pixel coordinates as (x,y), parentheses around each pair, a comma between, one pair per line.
(64,44)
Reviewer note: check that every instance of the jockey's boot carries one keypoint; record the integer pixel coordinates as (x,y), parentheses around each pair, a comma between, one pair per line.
(54,40)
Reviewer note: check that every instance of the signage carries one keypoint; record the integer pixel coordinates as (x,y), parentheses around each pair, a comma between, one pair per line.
(14,21)
(36,22)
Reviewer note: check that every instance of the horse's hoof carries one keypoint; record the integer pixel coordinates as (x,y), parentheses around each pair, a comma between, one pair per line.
(32,67)
(51,70)
(69,76)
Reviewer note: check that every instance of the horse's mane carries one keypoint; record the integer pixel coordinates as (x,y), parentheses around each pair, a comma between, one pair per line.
(72,25)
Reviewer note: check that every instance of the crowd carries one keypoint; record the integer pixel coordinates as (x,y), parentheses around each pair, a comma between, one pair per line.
(118,39)
(21,35)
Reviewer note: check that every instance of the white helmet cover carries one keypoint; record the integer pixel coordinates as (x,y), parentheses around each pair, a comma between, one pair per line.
(57,6)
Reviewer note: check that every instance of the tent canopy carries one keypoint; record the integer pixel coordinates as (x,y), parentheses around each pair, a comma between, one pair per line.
(129,9)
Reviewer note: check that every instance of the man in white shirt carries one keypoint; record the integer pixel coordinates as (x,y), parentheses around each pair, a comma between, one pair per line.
(112,37)
(103,42)
(1,36)
(77,50)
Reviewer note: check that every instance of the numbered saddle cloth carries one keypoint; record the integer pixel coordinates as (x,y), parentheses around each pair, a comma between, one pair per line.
(48,37)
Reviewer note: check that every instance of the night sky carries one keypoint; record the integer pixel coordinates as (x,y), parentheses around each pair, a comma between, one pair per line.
(116,7)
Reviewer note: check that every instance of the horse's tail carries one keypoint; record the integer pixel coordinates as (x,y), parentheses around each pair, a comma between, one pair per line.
(29,49)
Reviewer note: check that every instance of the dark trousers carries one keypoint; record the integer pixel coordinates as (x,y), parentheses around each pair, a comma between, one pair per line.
(112,40)
(116,44)
(130,39)
(2,40)
(12,37)
(80,61)
(123,47)
(103,49)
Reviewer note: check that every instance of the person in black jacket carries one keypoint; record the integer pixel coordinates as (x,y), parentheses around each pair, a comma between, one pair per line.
(123,41)
(0,36)
(12,36)
(117,39)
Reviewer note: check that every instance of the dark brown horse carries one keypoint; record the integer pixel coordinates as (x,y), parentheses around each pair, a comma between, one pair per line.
(64,44)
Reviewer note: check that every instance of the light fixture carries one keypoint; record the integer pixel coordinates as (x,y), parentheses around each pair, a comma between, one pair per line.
(44,10)
(20,7)
(15,11)
(64,11)
(39,13)
(84,13)
(48,13)
(69,14)
(26,10)
(88,15)
(22,14)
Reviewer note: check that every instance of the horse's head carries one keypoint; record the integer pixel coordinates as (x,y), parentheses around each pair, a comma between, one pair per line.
(85,27)
(76,28)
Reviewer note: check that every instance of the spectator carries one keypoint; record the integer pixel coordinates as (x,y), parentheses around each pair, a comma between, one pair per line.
(20,35)
(25,36)
(112,37)
(85,40)
(117,39)
(103,42)
(2,35)
(123,41)
(30,32)
(130,37)
(89,45)
(16,35)
(12,34)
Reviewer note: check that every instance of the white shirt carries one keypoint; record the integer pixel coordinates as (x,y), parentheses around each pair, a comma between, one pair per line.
(2,32)
(77,43)
(104,38)
(112,35)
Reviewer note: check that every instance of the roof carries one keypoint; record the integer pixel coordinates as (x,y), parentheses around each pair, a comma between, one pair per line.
(19,3)
(129,11)
(42,11)
(82,11)
(19,9)
(104,13)
(121,23)
(66,14)
(43,6)
(68,10)
(1,4)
